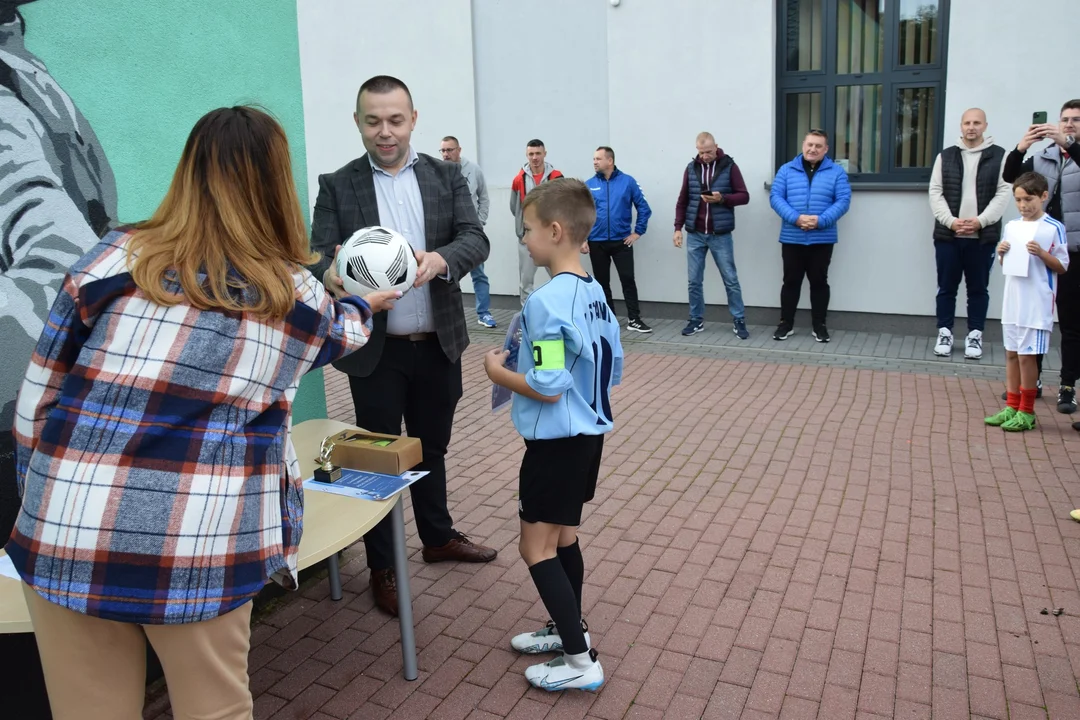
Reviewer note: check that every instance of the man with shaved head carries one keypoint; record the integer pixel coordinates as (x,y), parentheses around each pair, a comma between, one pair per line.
(968,198)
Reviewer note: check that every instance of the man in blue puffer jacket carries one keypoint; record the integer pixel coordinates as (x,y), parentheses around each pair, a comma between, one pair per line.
(810,194)
(616,194)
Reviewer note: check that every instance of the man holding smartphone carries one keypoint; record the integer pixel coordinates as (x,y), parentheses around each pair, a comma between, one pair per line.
(712,187)
(968,198)
(1058,163)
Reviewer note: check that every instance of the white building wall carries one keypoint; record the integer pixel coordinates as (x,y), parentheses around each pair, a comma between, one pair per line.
(344,42)
(541,72)
(645,77)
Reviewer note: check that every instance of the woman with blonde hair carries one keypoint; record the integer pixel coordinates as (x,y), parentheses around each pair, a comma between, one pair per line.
(160,488)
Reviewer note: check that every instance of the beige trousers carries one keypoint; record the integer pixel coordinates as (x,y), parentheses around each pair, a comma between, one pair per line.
(96,669)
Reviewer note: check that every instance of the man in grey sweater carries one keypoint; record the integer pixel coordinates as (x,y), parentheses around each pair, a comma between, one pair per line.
(450,150)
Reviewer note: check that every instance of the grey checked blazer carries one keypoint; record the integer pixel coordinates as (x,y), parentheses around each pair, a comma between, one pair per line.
(347,202)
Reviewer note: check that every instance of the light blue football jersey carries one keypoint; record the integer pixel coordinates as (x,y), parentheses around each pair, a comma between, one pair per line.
(570,346)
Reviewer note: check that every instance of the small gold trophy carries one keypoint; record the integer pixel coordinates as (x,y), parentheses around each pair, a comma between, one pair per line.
(327,471)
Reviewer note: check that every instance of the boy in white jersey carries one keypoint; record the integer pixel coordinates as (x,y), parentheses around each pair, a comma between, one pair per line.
(1027,308)
(562,408)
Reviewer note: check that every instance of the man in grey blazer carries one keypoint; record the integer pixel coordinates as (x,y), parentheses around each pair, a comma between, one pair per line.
(411,365)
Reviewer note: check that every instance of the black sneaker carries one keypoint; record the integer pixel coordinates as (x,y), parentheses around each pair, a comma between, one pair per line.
(740,329)
(638,326)
(1067,400)
(821,334)
(1038,392)
(693,327)
(783,331)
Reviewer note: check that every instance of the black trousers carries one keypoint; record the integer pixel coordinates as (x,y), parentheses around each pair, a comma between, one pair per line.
(603,253)
(972,260)
(20,664)
(1068,307)
(414,381)
(810,262)
(9,491)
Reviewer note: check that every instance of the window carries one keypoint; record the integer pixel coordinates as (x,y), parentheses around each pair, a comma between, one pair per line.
(872,74)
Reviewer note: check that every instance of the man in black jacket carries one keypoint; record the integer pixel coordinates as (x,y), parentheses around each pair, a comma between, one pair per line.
(411,365)
(1059,163)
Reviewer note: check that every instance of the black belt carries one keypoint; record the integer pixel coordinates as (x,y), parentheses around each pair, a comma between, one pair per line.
(414,337)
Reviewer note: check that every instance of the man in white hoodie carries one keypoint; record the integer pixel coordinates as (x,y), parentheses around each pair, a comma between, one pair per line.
(968,198)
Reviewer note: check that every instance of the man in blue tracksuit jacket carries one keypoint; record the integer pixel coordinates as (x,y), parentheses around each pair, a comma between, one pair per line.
(612,239)
(810,194)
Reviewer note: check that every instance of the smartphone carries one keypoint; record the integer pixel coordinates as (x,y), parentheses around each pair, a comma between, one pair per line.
(1038,118)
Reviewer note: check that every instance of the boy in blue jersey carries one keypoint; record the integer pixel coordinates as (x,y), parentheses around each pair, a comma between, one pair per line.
(1027,307)
(562,408)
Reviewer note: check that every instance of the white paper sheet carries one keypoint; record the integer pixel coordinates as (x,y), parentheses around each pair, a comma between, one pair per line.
(500,396)
(7,569)
(1018,260)
(388,484)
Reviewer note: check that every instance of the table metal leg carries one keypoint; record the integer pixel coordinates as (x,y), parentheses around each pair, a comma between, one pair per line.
(404,593)
(335,577)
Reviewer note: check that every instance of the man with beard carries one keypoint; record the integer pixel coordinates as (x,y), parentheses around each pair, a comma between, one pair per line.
(411,366)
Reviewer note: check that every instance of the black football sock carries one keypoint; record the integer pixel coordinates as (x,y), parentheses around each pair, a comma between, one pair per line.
(574,565)
(558,597)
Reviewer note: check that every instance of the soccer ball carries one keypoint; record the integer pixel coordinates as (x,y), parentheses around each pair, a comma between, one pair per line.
(376,258)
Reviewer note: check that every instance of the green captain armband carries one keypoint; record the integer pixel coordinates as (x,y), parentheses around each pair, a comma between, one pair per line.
(549,354)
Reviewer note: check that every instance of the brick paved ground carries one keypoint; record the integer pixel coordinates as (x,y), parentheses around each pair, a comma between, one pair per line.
(769,539)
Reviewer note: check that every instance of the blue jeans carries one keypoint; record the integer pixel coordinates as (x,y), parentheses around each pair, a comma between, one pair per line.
(482,288)
(972,260)
(723,252)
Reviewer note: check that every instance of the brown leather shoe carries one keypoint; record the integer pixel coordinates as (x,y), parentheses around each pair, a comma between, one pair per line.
(384,587)
(460,549)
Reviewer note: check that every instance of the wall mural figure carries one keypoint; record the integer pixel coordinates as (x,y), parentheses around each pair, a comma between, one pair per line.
(57,197)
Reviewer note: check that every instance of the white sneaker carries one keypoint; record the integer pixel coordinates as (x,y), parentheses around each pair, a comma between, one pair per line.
(944,342)
(567,672)
(973,351)
(545,640)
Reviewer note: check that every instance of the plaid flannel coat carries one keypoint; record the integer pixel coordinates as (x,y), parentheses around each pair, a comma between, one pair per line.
(347,203)
(159,482)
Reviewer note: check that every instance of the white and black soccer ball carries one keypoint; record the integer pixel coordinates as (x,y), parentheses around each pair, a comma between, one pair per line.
(376,258)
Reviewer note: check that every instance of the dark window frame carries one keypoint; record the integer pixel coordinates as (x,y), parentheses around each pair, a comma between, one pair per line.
(892,78)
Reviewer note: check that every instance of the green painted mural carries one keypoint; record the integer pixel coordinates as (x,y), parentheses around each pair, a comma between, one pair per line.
(142,73)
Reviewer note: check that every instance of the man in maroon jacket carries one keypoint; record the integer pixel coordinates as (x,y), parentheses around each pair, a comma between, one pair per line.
(712,187)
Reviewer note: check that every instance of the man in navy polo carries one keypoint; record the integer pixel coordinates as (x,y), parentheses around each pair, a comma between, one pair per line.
(712,187)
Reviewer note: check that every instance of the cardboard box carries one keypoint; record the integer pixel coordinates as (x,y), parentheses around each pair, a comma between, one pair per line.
(374,452)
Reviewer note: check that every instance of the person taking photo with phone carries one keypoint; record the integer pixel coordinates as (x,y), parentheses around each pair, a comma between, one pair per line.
(1058,163)
(712,187)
